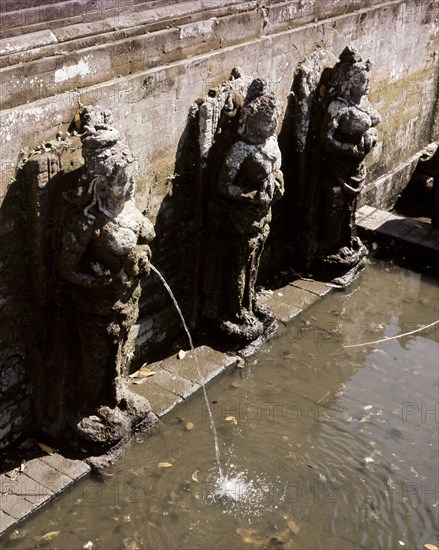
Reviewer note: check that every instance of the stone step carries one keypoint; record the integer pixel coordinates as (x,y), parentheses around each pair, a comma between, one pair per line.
(406,234)
(36,482)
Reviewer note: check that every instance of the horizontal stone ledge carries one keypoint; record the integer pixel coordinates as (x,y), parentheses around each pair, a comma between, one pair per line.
(129,22)
(15,20)
(39,480)
(25,42)
(54,69)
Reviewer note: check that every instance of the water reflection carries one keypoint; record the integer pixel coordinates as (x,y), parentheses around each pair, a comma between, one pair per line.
(323,446)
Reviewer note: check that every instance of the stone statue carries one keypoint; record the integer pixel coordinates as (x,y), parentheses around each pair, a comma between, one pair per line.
(103,255)
(239,214)
(347,134)
(333,129)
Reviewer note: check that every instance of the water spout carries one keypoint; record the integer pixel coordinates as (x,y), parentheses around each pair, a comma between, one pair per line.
(209,410)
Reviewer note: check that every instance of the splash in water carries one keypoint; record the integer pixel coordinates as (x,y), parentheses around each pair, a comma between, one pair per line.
(240,493)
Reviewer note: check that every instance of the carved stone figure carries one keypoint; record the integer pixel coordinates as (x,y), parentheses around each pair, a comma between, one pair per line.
(347,134)
(239,215)
(333,126)
(103,255)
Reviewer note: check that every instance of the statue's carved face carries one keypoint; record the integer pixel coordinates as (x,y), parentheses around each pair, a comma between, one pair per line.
(258,128)
(259,119)
(359,83)
(116,187)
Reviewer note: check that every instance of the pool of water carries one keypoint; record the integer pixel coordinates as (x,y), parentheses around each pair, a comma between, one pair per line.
(322,445)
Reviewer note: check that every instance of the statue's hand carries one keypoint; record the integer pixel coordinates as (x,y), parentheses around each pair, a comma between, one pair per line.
(359,150)
(143,260)
(268,192)
(370,139)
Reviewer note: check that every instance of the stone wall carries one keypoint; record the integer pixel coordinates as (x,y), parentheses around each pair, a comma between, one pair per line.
(149,62)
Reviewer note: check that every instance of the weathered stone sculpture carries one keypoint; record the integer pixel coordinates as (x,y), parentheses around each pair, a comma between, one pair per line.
(347,134)
(333,131)
(239,215)
(103,254)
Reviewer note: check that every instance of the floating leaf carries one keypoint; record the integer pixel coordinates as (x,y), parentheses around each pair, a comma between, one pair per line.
(239,362)
(293,527)
(189,426)
(367,407)
(46,449)
(248,536)
(48,536)
(236,384)
(130,544)
(430,547)
(195,476)
(231,419)
(145,371)
(253,540)
(245,532)
(181,354)
(88,545)
(165,465)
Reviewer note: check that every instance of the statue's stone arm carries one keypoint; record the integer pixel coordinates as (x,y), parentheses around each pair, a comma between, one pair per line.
(74,244)
(279,185)
(329,128)
(146,233)
(227,179)
(374,116)
(143,251)
(273,185)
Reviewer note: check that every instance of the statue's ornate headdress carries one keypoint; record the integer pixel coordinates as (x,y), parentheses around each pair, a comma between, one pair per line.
(350,65)
(264,109)
(107,158)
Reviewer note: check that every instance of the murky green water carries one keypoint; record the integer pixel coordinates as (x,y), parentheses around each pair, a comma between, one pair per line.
(330,447)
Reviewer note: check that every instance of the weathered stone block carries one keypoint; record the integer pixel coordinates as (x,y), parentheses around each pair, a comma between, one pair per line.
(6,521)
(173,382)
(161,399)
(11,373)
(75,469)
(201,367)
(47,476)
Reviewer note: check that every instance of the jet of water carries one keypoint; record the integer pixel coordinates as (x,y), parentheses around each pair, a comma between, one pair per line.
(206,399)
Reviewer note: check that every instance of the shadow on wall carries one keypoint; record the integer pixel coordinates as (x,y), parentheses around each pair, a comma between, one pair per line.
(176,253)
(52,169)
(26,259)
(421,196)
(15,389)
